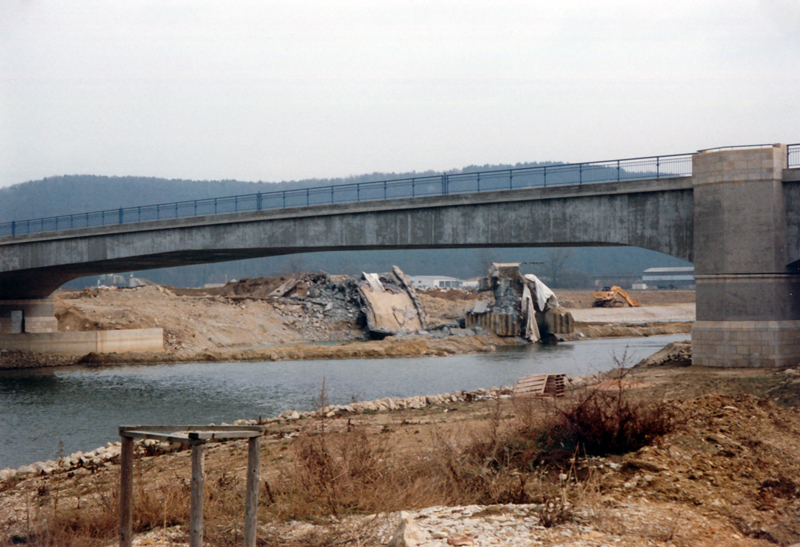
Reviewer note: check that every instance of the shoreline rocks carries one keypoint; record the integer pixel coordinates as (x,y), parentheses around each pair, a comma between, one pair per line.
(107,454)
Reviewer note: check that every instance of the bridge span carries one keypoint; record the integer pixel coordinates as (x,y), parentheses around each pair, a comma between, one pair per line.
(737,217)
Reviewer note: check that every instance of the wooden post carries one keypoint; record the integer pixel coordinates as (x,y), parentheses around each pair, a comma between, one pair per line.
(251,499)
(198,481)
(126,493)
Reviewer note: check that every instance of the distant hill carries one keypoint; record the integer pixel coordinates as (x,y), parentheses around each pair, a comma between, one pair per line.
(84,193)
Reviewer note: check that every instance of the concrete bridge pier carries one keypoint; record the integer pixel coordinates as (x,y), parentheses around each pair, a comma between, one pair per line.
(34,315)
(748,301)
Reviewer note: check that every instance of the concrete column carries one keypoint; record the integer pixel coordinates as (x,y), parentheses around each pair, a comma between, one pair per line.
(748,303)
(31,315)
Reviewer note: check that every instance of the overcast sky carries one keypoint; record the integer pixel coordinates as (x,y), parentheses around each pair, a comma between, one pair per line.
(286,90)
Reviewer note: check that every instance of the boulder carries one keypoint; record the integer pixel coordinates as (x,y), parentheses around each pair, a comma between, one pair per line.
(407,534)
(7,474)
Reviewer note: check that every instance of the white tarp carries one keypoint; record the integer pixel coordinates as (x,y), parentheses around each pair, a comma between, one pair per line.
(531,328)
(545,298)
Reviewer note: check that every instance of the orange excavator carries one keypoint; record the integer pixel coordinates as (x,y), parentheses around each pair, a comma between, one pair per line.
(613,297)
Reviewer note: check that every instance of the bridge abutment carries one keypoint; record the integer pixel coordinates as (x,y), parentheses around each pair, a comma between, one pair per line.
(748,310)
(35,315)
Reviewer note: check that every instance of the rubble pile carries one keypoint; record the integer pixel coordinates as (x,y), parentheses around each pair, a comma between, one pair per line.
(523,306)
(317,305)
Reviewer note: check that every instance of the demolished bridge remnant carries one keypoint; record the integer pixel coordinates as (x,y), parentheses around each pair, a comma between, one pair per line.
(391,304)
(523,306)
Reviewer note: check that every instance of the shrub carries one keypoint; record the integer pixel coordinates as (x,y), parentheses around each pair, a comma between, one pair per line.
(608,422)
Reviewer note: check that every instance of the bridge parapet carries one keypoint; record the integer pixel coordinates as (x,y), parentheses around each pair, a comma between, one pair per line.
(540,176)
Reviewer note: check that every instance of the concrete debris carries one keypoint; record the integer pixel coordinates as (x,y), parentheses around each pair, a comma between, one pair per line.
(284,288)
(389,305)
(523,306)
(374,281)
(384,303)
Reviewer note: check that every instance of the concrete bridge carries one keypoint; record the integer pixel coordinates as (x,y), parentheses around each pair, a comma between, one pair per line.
(737,217)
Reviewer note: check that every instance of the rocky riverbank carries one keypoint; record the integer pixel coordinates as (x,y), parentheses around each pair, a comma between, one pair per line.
(725,476)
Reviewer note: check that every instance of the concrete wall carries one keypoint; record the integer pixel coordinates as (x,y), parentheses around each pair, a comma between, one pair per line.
(31,315)
(82,343)
(653,214)
(748,300)
(791,198)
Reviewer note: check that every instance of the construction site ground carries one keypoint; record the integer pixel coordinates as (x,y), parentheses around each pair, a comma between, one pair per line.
(727,476)
(242,321)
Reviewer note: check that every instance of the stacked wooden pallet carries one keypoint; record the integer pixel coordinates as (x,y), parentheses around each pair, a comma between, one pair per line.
(540,385)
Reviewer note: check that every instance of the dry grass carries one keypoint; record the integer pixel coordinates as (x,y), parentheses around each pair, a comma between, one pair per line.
(527,456)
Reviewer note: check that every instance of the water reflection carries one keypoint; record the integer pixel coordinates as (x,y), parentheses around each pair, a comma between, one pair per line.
(82,406)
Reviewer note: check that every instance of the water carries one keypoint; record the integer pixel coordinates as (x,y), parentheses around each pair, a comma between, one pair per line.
(81,407)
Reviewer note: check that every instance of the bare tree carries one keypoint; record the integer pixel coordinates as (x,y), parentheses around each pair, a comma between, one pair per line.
(555,264)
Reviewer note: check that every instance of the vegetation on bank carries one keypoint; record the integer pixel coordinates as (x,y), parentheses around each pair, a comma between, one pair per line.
(523,452)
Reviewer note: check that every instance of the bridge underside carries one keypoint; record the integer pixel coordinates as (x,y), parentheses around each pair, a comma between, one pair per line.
(43,282)
(655,215)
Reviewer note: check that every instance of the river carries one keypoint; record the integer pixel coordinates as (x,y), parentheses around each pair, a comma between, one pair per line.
(44,411)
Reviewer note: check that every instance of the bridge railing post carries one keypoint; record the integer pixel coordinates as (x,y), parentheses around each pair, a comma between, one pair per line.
(258,201)
(120,215)
(13,227)
(658,167)
(580,174)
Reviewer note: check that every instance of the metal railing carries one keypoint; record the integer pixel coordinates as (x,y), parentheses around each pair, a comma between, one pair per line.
(654,167)
(793,156)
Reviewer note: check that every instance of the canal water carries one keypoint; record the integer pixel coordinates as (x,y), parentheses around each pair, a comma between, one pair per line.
(79,408)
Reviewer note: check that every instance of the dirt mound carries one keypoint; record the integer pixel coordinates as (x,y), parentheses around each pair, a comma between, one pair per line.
(678,354)
(451,294)
(733,457)
(445,310)
(413,346)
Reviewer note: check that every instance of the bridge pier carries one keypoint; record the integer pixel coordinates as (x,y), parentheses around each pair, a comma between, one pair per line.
(34,315)
(748,302)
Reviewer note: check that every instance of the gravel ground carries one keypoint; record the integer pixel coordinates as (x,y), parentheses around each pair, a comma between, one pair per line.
(644,314)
